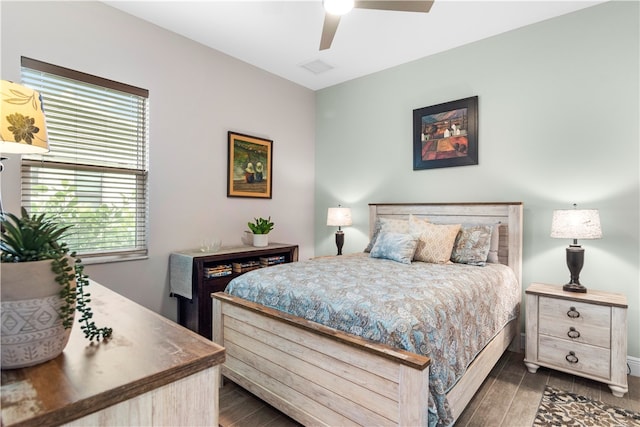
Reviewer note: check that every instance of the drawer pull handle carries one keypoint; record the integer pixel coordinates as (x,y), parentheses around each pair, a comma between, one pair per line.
(571,357)
(573,333)
(573,313)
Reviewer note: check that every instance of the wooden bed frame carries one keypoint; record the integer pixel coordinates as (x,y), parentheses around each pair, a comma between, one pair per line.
(321,376)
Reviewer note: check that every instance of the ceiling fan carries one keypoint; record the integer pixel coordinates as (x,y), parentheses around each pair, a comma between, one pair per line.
(334,9)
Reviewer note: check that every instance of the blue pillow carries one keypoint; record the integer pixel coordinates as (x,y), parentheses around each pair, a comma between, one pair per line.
(395,247)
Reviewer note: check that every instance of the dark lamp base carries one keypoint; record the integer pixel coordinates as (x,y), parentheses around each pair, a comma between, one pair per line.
(574,287)
(575,261)
(339,241)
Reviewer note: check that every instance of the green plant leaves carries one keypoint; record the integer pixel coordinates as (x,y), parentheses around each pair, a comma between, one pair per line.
(261,226)
(37,238)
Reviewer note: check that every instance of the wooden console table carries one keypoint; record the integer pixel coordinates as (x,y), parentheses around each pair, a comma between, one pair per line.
(194,303)
(151,372)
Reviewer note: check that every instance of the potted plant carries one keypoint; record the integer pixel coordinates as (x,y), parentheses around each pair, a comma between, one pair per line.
(260,229)
(43,285)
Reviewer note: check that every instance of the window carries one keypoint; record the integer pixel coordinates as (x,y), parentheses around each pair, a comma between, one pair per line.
(95,175)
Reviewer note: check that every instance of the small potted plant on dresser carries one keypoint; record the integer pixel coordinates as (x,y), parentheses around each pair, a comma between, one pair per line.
(43,285)
(260,229)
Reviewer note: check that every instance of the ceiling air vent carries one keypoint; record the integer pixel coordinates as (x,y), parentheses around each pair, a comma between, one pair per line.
(317,66)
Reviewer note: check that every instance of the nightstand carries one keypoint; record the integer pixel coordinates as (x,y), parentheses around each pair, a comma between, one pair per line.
(583,334)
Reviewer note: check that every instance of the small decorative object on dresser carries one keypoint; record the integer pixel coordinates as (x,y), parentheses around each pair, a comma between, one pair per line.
(578,333)
(43,285)
(260,230)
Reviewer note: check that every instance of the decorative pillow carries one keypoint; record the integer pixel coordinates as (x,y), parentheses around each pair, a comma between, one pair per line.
(417,225)
(387,225)
(398,247)
(472,244)
(374,236)
(436,242)
(492,257)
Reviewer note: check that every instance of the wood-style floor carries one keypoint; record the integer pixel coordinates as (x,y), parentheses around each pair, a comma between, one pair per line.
(509,397)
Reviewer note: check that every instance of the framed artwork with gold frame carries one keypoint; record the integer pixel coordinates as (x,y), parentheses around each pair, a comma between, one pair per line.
(249,166)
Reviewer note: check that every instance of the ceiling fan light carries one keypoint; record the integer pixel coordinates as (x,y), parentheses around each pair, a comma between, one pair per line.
(337,7)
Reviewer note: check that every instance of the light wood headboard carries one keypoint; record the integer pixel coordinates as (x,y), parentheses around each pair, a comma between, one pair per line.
(508,214)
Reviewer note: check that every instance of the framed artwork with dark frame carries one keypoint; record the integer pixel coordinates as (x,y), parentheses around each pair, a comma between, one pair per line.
(249,166)
(446,135)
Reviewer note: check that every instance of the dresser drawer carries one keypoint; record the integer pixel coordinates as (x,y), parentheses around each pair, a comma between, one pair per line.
(591,323)
(588,359)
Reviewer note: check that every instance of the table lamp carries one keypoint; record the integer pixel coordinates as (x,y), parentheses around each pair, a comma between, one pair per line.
(339,217)
(575,224)
(23,129)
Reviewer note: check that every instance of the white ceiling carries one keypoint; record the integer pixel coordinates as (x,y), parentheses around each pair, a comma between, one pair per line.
(281,36)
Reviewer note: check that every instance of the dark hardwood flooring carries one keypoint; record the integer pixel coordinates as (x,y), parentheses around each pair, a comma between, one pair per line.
(508,397)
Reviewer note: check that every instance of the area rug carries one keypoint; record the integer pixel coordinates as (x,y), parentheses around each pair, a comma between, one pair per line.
(559,408)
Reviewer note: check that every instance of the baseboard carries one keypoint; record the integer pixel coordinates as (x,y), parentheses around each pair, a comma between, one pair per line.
(634,365)
(632,362)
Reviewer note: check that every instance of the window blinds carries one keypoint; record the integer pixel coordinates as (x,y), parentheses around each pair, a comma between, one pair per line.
(95,175)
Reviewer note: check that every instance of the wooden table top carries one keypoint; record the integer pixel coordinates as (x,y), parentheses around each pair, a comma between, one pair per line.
(234,250)
(145,352)
(592,296)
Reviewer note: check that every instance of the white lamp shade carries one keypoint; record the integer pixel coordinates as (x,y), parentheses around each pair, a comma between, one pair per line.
(339,217)
(576,224)
(23,129)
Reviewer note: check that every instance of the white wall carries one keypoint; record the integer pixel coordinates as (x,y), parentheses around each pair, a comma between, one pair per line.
(196,96)
(558,124)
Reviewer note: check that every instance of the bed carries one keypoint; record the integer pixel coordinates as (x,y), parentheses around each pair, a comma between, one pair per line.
(321,373)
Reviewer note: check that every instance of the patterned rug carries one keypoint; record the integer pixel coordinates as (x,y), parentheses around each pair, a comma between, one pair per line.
(560,408)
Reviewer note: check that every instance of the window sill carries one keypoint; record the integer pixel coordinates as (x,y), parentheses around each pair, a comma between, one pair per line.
(105,259)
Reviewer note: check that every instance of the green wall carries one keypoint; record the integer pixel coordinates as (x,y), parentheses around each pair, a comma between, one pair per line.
(558,124)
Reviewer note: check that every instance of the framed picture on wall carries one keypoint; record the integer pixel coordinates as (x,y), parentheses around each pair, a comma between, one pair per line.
(446,135)
(249,166)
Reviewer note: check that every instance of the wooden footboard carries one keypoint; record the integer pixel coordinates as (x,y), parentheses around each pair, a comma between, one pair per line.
(318,375)
(321,376)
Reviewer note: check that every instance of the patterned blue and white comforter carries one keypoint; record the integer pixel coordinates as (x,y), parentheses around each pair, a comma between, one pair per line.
(446,312)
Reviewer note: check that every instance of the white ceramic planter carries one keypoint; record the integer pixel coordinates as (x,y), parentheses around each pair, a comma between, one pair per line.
(32,330)
(260,240)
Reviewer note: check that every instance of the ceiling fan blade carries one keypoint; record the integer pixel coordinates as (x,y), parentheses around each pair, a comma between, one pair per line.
(328,30)
(400,5)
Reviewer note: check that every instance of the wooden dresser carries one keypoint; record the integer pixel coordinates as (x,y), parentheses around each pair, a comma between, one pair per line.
(583,334)
(152,372)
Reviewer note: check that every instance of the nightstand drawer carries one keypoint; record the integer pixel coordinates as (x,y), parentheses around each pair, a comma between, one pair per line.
(586,359)
(591,323)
